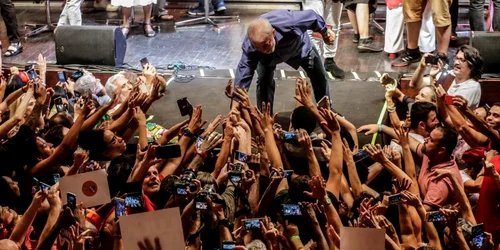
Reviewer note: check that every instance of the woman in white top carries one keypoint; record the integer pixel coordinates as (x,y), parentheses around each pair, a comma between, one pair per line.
(127,9)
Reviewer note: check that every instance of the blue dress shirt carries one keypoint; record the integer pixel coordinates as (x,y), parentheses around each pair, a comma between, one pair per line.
(292,43)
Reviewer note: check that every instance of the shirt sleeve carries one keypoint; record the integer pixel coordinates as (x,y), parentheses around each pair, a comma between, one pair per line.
(437,194)
(246,67)
(230,199)
(308,20)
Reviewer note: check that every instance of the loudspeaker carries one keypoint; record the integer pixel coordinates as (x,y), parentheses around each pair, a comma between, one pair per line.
(90,45)
(487,45)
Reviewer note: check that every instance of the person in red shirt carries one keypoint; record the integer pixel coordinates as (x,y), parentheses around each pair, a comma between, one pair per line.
(488,208)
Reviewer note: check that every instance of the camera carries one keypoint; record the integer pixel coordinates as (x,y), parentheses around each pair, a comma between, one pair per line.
(431,59)
(186,181)
(208,191)
(236,174)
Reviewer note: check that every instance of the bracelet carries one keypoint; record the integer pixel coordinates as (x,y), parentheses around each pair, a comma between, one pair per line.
(295,237)
(202,154)
(380,128)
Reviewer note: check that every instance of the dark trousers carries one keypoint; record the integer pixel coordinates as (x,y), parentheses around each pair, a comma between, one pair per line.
(476,11)
(312,65)
(454,15)
(10,20)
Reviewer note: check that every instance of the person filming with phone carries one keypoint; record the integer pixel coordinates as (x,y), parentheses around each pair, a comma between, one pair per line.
(467,70)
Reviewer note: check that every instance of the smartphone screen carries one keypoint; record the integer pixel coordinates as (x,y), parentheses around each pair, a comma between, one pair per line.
(168,151)
(252,224)
(395,199)
(201,205)
(119,208)
(144,61)
(56,178)
(363,159)
(44,186)
(235,178)
(478,235)
(240,156)
(71,199)
(287,173)
(435,216)
(181,191)
(291,210)
(289,136)
(228,245)
(62,77)
(185,106)
(133,200)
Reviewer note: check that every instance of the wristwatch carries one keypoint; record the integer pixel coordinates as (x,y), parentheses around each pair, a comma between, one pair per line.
(188,133)
(225,222)
(327,201)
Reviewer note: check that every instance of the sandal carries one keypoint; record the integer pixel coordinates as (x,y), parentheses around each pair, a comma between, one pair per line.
(125,31)
(149,32)
(163,15)
(14,49)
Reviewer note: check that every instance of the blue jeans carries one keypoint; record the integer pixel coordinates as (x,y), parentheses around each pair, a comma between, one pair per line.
(312,65)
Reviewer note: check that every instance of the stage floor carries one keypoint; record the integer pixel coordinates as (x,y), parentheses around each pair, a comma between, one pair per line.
(196,45)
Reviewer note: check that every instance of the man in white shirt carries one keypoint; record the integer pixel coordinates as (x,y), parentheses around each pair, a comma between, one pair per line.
(467,69)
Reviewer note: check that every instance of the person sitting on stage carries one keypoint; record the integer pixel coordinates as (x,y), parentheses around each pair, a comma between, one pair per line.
(467,69)
(280,36)
(127,5)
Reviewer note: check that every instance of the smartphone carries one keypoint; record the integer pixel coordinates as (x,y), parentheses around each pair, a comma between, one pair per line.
(291,210)
(119,208)
(228,245)
(56,178)
(448,99)
(31,72)
(133,200)
(288,136)
(237,155)
(36,184)
(435,216)
(168,151)
(323,103)
(71,200)
(144,62)
(185,106)
(201,205)
(75,76)
(478,235)
(62,77)
(60,107)
(430,59)
(251,224)
(287,173)
(363,159)
(44,186)
(395,199)
(181,191)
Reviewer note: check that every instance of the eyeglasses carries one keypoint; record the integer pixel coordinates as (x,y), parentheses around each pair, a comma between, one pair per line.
(461,60)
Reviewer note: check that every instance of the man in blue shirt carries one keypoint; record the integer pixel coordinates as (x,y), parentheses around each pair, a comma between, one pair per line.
(281,36)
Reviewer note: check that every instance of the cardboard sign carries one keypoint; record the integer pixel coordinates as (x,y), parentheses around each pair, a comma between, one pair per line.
(163,224)
(356,238)
(91,188)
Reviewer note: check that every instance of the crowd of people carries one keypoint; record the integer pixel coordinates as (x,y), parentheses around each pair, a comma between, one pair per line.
(259,183)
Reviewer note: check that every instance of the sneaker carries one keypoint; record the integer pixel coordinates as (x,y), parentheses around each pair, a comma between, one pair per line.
(200,11)
(355,38)
(366,45)
(407,57)
(219,5)
(331,66)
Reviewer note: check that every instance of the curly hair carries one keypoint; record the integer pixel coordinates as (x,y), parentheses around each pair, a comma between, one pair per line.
(474,60)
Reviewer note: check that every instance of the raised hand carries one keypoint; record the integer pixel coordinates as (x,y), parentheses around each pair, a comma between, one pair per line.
(149,72)
(243,96)
(439,174)
(318,188)
(211,142)
(369,129)
(329,119)
(139,116)
(146,243)
(304,139)
(212,126)
(196,122)
(228,91)
(155,91)
(460,102)
(411,199)
(376,153)
(264,117)
(326,151)
(303,93)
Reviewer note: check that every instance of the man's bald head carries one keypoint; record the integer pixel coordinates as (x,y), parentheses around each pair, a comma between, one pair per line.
(261,34)
(8,245)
